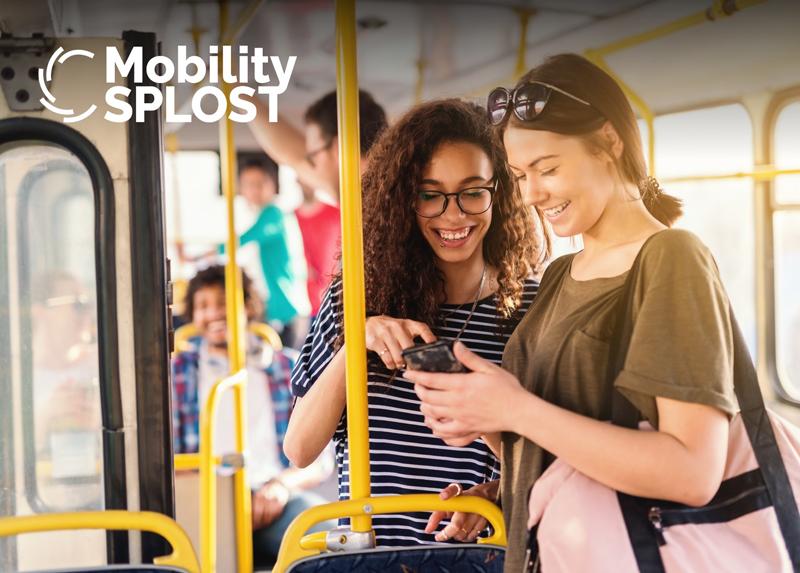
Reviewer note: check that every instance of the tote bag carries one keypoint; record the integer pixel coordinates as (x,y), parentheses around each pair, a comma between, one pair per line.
(752,524)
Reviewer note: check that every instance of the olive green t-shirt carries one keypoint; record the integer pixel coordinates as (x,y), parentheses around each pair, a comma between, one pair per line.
(681,348)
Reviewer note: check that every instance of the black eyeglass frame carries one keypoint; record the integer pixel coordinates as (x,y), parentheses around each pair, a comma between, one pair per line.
(492,189)
(513,102)
(311,154)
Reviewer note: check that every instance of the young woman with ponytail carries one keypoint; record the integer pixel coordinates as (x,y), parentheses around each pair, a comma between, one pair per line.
(574,147)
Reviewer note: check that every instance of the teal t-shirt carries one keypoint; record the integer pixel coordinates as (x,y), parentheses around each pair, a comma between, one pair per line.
(282,263)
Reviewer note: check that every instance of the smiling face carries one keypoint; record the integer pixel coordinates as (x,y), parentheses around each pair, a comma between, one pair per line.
(454,235)
(209,316)
(558,175)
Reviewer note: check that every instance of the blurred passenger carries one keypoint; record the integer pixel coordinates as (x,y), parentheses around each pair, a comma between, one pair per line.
(314,155)
(320,225)
(278,489)
(66,392)
(279,243)
(574,146)
(449,248)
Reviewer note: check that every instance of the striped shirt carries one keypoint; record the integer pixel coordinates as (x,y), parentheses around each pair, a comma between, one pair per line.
(405,457)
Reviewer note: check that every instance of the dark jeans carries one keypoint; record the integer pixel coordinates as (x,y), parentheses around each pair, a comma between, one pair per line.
(267,540)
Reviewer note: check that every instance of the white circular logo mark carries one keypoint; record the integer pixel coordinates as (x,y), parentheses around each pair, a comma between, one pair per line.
(62,56)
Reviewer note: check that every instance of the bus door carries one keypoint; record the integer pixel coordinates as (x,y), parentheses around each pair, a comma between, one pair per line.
(84,315)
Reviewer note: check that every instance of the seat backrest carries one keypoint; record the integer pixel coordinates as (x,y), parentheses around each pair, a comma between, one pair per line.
(430,558)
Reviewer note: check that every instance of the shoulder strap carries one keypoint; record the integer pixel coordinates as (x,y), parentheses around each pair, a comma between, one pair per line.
(751,403)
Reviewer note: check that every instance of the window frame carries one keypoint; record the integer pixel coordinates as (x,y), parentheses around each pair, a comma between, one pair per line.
(17,130)
(770,207)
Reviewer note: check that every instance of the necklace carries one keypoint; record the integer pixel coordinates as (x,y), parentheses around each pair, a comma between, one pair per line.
(474,305)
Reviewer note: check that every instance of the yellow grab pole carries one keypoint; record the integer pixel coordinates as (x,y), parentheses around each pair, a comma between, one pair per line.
(234,300)
(763,173)
(524,17)
(714,12)
(352,256)
(208,480)
(296,546)
(597,55)
(182,556)
(644,110)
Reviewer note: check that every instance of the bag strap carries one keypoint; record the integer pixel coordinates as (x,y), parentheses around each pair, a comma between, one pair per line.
(751,404)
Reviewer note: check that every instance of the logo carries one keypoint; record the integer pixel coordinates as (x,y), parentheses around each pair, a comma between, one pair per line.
(61,56)
(209,102)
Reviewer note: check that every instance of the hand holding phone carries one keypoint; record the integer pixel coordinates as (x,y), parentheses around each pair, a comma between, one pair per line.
(434,357)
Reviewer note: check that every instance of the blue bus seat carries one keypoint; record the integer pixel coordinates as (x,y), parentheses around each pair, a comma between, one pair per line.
(422,559)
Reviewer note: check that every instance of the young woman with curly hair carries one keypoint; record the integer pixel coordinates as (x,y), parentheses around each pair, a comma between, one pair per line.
(449,252)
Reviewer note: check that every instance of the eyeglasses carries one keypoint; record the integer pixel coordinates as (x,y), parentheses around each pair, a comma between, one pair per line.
(528,101)
(79,303)
(471,201)
(311,154)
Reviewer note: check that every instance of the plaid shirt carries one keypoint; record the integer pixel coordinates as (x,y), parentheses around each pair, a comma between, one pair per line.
(186,407)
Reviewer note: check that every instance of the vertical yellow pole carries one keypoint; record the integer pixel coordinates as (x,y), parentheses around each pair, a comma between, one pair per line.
(524,17)
(352,256)
(234,300)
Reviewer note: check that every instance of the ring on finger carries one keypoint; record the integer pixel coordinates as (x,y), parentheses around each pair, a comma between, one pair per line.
(459,489)
(382,352)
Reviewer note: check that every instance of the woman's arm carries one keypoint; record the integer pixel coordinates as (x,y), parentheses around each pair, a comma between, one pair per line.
(316,415)
(683,461)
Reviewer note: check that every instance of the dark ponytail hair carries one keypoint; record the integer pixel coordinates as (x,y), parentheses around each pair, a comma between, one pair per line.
(580,77)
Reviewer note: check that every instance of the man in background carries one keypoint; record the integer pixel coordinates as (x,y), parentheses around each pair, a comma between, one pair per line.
(314,152)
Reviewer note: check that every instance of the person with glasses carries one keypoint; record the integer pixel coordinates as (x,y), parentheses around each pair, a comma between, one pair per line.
(575,150)
(314,152)
(449,249)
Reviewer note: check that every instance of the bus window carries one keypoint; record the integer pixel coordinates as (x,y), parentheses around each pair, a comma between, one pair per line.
(711,141)
(787,250)
(787,153)
(193,200)
(49,195)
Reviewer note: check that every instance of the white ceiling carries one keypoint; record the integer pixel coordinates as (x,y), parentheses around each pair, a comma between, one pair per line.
(468,46)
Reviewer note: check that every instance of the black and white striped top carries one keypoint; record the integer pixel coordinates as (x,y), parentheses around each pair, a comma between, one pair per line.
(405,457)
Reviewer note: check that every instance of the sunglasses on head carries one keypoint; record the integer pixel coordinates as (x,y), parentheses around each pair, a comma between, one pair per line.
(528,101)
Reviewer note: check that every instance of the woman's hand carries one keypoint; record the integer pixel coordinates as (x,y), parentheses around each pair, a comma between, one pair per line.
(463,526)
(461,407)
(388,337)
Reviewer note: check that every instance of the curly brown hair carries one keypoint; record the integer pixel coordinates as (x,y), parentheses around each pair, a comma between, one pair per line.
(401,276)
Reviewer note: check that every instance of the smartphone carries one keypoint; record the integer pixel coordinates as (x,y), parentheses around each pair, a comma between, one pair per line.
(434,357)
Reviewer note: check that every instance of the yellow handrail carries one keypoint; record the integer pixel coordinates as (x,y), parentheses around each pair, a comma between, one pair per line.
(234,299)
(764,174)
(717,10)
(263,331)
(293,547)
(184,462)
(644,110)
(524,15)
(182,555)
(208,483)
(352,256)
(597,55)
